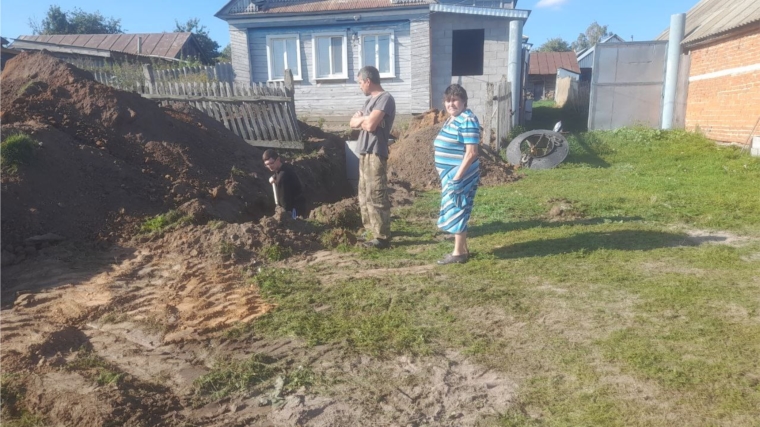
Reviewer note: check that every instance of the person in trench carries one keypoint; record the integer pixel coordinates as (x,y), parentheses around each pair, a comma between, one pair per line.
(287,187)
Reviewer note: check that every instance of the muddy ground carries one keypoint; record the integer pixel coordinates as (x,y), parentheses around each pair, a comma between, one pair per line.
(106,324)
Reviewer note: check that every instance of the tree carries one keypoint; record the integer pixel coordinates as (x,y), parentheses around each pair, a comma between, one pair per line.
(226,54)
(555,44)
(593,35)
(209,48)
(75,21)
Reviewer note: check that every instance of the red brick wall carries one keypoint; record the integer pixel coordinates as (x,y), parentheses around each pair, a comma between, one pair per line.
(725,108)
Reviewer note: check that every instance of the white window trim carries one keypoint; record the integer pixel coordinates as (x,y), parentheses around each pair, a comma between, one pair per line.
(271,37)
(392,50)
(344,74)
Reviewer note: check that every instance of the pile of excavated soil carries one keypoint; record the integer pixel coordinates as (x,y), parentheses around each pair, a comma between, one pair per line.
(108,159)
(411,158)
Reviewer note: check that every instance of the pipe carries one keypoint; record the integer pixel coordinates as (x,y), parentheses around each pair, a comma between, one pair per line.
(677,26)
(139,45)
(514,67)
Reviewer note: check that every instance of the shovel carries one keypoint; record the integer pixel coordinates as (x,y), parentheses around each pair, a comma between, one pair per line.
(274,190)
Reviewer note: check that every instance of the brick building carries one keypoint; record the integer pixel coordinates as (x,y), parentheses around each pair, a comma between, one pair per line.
(722,37)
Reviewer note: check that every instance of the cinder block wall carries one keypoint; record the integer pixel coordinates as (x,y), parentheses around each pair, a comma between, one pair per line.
(724,88)
(496,47)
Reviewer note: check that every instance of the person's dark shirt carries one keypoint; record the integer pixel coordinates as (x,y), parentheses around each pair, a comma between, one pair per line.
(289,190)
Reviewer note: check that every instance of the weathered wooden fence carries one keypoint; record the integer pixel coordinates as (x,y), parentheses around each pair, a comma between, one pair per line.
(263,114)
(498,114)
(221,72)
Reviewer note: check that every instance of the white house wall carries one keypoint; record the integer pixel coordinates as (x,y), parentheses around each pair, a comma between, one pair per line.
(495,55)
(339,97)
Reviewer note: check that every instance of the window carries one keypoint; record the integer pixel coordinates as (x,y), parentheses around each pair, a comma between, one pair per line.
(378,49)
(283,52)
(329,51)
(467,52)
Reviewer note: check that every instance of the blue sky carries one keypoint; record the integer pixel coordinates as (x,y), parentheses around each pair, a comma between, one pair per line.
(642,19)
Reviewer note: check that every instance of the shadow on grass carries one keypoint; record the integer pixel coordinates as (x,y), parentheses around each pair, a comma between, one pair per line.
(501,227)
(583,152)
(624,240)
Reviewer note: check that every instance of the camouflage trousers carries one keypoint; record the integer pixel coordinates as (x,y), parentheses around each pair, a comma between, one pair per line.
(373,195)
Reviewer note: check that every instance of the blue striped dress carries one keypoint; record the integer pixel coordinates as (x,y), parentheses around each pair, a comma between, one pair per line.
(457,195)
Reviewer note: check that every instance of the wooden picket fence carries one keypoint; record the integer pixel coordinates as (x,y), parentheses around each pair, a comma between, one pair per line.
(221,72)
(498,114)
(262,115)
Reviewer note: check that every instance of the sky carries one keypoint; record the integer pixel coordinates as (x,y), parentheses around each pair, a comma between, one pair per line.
(640,19)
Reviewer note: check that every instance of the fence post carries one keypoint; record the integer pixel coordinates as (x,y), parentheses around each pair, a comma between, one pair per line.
(290,92)
(150,78)
(488,119)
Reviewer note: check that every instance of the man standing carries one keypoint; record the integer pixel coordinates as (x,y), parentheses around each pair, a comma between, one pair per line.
(287,186)
(375,122)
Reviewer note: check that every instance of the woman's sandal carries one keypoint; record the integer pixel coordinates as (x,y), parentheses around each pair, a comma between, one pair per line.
(453,259)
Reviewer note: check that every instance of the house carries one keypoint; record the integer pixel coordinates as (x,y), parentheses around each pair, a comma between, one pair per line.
(419,46)
(585,57)
(543,71)
(5,52)
(722,39)
(114,47)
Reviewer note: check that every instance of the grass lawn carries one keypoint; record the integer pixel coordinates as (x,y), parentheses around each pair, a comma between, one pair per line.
(619,289)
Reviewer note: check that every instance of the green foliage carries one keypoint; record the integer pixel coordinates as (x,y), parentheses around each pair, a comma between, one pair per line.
(225,55)
(301,377)
(95,367)
(276,252)
(321,122)
(16,150)
(556,44)
(232,376)
(235,171)
(370,317)
(593,35)
(75,21)
(227,249)
(209,49)
(12,392)
(163,222)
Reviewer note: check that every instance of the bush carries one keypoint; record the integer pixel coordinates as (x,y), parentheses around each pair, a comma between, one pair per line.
(17,150)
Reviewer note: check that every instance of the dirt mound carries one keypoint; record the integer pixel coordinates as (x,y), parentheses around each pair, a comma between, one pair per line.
(108,159)
(411,157)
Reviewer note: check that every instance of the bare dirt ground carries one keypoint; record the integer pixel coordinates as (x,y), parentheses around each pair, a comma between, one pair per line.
(103,325)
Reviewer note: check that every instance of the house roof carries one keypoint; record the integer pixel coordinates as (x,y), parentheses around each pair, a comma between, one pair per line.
(589,50)
(542,63)
(163,45)
(714,18)
(259,7)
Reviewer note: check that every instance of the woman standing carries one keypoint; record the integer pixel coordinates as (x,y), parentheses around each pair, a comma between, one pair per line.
(456,159)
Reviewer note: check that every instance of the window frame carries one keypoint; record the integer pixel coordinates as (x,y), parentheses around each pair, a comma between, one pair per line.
(455,60)
(344,54)
(391,50)
(270,71)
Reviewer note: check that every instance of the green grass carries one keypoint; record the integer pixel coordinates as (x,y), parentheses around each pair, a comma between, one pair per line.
(364,313)
(276,252)
(96,368)
(233,376)
(613,316)
(164,222)
(17,150)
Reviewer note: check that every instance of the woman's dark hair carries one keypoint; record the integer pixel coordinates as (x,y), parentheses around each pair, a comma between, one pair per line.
(455,90)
